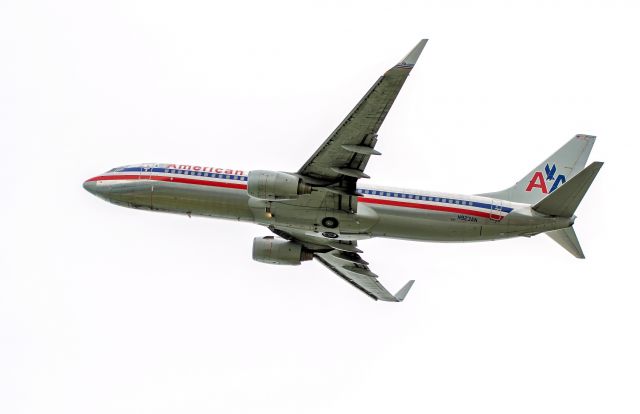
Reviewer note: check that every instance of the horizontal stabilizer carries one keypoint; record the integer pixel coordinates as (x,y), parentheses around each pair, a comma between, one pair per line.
(564,201)
(568,240)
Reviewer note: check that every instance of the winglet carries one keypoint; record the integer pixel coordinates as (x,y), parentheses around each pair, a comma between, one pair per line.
(402,293)
(413,56)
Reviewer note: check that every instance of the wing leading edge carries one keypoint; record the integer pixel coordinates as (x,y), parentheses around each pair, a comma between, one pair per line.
(352,268)
(345,154)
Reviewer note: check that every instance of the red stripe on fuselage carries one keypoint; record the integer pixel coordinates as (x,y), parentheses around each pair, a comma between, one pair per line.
(430,207)
(170,180)
(114,177)
(196,181)
(238,186)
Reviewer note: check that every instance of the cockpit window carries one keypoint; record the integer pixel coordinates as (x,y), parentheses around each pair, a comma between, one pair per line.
(116,169)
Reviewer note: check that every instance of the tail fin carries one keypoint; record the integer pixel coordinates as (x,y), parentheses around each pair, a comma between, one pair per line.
(568,240)
(566,162)
(565,200)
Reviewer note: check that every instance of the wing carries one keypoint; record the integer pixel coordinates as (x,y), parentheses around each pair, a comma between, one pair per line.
(352,268)
(344,155)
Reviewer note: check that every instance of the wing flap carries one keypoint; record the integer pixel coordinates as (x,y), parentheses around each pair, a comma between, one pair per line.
(352,268)
(346,152)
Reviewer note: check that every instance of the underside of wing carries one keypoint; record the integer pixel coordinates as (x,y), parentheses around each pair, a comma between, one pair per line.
(352,268)
(342,158)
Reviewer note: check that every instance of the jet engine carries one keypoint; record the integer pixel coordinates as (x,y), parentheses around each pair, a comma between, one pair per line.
(275,185)
(276,251)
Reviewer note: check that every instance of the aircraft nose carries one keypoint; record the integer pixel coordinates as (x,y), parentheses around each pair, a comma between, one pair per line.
(92,186)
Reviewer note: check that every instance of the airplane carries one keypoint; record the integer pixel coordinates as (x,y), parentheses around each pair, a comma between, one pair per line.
(325,208)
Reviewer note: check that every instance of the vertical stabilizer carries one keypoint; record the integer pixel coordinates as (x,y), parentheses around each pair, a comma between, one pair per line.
(565,163)
(568,240)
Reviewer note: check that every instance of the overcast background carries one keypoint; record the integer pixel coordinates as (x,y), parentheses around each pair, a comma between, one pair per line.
(111,310)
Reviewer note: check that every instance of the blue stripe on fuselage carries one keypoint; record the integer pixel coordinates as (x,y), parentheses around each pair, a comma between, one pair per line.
(420,197)
(363,191)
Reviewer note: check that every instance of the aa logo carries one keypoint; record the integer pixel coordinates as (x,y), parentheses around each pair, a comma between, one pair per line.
(549,178)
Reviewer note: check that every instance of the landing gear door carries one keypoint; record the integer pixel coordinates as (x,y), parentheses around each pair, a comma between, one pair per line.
(496,210)
(145,186)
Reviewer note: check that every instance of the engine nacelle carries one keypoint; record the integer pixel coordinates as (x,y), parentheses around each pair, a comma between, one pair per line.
(275,185)
(276,251)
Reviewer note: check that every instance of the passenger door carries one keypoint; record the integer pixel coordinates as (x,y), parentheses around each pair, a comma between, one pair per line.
(496,210)
(145,171)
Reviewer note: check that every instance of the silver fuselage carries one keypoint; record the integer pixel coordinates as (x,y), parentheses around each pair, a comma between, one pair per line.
(381,211)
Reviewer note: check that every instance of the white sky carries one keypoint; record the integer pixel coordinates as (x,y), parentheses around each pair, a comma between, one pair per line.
(105,309)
